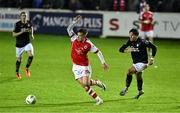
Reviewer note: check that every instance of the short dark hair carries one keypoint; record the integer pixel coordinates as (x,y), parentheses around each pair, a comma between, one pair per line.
(23,13)
(84,31)
(134,31)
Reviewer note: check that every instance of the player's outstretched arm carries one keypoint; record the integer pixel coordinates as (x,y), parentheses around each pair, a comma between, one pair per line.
(71,26)
(154,50)
(32,33)
(104,64)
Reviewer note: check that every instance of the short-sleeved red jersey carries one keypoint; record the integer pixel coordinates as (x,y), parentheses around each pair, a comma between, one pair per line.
(79,51)
(146,16)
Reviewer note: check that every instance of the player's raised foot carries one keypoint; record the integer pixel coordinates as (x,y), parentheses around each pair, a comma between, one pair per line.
(28,74)
(101,85)
(139,94)
(124,91)
(99,101)
(18,76)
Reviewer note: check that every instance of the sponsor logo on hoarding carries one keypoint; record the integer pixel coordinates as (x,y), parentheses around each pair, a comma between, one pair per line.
(57,23)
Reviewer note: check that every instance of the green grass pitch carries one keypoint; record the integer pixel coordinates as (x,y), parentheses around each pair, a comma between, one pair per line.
(53,84)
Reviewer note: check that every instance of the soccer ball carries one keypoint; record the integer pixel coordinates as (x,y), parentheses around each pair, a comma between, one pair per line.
(30,99)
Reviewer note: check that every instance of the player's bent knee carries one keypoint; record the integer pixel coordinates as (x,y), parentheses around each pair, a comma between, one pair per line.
(30,55)
(18,59)
(130,71)
(83,84)
(86,84)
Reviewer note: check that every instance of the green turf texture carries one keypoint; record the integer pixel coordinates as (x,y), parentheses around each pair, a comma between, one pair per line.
(52,81)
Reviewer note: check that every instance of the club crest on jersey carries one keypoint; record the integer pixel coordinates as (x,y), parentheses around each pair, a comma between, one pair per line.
(137,45)
(79,51)
(85,47)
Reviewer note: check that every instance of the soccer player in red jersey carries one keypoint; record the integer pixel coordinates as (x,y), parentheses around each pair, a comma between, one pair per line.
(80,46)
(147,27)
(146,20)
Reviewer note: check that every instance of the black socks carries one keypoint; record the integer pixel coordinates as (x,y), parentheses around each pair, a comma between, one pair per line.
(18,63)
(139,84)
(29,61)
(128,80)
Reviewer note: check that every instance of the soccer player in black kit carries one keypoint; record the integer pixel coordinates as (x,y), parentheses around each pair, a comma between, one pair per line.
(138,49)
(21,32)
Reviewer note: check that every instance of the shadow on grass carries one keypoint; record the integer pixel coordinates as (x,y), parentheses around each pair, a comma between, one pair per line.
(47,105)
(62,104)
(116,100)
(177,107)
(9,79)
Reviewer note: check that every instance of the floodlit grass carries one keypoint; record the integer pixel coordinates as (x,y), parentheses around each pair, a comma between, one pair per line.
(53,84)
